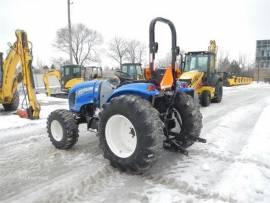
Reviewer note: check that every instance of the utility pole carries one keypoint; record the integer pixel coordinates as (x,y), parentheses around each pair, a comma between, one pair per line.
(69,32)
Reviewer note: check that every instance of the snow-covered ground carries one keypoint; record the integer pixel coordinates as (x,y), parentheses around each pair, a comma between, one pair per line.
(234,165)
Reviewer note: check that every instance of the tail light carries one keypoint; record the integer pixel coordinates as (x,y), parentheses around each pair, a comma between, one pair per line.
(178,72)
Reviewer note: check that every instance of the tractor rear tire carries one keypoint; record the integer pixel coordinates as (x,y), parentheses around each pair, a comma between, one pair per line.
(218,92)
(62,129)
(205,98)
(130,133)
(14,104)
(191,118)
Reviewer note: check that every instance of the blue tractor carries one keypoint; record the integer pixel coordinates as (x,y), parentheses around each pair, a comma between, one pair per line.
(132,118)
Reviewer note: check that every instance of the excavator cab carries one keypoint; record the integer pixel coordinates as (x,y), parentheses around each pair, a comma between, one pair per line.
(70,75)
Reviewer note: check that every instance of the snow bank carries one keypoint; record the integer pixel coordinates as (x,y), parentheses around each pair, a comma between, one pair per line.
(258,147)
(248,178)
(245,182)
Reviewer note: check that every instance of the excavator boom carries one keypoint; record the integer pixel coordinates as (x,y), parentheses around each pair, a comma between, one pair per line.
(16,68)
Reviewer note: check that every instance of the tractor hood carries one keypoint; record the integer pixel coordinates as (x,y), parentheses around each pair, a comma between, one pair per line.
(84,93)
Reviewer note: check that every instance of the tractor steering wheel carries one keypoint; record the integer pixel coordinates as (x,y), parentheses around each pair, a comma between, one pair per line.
(123,76)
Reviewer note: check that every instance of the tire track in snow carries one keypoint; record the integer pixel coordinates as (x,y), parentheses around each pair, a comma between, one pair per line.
(219,161)
(199,193)
(227,158)
(40,160)
(62,187)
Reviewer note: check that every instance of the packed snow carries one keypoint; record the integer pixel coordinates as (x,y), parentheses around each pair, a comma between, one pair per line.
(233,166)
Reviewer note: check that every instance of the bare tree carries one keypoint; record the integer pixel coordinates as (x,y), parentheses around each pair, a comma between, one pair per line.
(117,49)
(223,61)
(84,43)
(165,61)
(242,60)
(40,65)
(60,61)
(141,53)
(135,51)
(132,46)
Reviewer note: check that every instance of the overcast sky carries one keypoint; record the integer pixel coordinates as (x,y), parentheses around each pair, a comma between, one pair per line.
(234,24)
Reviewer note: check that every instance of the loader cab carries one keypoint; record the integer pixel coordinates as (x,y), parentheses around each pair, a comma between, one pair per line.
(133,69)
(70,72)
(130,72)
(92,72)
(200,61)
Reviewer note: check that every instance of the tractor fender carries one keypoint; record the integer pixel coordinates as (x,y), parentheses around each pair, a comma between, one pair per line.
(144,90)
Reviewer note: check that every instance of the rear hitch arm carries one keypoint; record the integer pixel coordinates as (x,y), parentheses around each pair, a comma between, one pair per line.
(199,139)
(172,144)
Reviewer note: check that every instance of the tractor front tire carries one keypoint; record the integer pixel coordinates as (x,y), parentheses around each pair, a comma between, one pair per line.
(218,92)
(62,129)
(205,98)
(130,133)
(14,104)
(191,118)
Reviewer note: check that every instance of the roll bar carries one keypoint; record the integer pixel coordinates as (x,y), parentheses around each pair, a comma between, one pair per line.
(153,46)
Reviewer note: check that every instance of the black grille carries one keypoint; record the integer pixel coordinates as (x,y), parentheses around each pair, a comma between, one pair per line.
(71,99)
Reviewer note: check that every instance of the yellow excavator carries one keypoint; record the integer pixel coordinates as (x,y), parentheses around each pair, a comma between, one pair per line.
(70,75)
(16,68)
(46,76)
(199,73)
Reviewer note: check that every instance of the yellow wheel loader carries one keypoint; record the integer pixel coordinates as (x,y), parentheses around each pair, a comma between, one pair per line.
(230,79)
(16,68)
(200,73)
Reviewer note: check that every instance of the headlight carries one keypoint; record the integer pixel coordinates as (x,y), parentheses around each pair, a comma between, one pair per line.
(184,83)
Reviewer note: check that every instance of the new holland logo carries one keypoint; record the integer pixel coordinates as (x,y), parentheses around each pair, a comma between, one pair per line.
(84,91)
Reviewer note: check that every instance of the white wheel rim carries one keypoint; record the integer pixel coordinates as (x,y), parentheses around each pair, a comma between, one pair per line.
(121,136)
(56,130)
